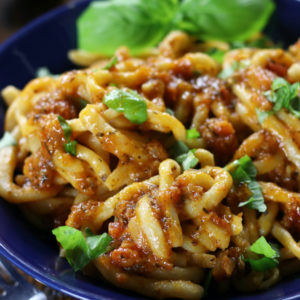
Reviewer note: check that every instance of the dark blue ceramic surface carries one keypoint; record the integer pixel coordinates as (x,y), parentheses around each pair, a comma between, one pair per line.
(45,42)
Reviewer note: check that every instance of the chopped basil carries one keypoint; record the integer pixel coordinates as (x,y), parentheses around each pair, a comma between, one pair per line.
(178,148)
(262,115)
(268,255)
(141,24)
(128,102)
(66,127)
(70,146)
(80,250)
(113,61)
(7,140)
(245,173)
(216,54)
(192,133)
(283,95)
(170,111)
(188,160)
(235,66)
(183,155)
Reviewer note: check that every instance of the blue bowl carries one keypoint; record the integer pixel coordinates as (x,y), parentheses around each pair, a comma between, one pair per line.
(45,42)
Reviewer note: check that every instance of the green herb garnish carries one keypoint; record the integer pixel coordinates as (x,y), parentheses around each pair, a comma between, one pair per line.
(188,160)
(106,25)
(80,250)
(235,66)
(113,61)
(283,95)
(268,256)
(140,24)
(7,140)
(192,133)
(226,20)
(216,54)
(128,102)
(70,146)
(178,148)
(245,173)
(183,155)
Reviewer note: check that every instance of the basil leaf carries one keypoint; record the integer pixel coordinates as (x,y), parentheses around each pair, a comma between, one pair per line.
(192,133)
(236,66)
(7,140)
(113,61)
(262,264)
(262,115)
(98,244)
(178,148)
(74,243)
(227,20)
(139,24)
(256,201)
(216,54)
(245,162)
(284,95)
(261,246)
(128,102)
(80,250)
(278,83)
(45,72)
(188,160)
(245,173)
(70,147)
(269,259)
(66,127)
(225,73)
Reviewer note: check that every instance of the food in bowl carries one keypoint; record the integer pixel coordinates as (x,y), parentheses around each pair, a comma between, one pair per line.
(165,170)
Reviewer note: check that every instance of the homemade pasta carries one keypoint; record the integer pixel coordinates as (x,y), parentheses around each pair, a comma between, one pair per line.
(175,218)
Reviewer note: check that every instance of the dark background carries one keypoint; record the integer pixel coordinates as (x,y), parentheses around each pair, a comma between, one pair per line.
(16,13)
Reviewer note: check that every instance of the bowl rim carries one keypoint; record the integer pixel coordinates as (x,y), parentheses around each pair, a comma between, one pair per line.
(45,278)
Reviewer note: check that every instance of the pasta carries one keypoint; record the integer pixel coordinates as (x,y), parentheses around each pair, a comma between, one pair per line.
(173,219)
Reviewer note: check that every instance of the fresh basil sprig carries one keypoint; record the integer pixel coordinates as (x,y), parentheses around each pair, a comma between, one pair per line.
(268,255)
(128,102)
(70,146)
(140,24)
(7,140)
(81,250)
(244,172)
(283,95)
